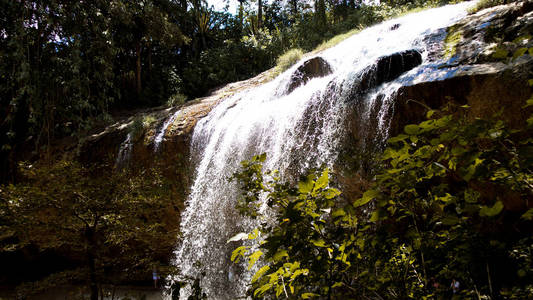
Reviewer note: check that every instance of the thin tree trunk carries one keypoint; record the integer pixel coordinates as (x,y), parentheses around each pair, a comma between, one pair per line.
(320,11)
(91,257)
(149,60)
(138,68)
(259,14)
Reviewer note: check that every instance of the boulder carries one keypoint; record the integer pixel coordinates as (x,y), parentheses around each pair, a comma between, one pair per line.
(385,69)
(312,68)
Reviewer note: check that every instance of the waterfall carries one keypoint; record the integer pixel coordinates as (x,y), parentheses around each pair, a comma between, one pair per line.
(298,130)
(124,152)
(161,133)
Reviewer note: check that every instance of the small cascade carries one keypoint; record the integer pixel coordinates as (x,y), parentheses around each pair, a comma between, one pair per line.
(299,126)
(161,133)
(124,152)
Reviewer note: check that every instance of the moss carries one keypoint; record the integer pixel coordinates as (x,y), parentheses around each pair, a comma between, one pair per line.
(453,38)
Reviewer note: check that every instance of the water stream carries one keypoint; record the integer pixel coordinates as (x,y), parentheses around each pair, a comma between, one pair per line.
(299,130)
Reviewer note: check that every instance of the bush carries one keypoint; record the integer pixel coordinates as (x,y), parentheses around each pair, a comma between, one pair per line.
(289,58)
(449,203)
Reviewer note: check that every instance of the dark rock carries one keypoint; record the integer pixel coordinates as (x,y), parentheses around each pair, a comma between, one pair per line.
(312,68)
(387,68)
(485,88)
(394,27)
(391,67)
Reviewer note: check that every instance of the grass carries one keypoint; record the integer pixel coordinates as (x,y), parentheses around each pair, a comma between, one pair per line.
(289,58)
(485,4)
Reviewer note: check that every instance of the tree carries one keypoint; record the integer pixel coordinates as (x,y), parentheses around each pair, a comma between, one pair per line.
(115,221)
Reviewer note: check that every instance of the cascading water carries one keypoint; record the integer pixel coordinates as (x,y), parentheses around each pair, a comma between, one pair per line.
(298,130)
(161,133)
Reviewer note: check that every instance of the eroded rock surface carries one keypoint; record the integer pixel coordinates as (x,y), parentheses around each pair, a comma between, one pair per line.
(312,68)
(387,68)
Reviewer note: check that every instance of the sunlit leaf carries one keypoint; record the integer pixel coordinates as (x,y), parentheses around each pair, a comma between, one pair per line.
(253,258)
(486,211)
(260,273)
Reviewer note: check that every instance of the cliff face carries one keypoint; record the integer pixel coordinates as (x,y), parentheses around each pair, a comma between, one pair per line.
(488,68)
(485,67)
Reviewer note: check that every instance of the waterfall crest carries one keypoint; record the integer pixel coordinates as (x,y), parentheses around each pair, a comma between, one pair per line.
(298,130)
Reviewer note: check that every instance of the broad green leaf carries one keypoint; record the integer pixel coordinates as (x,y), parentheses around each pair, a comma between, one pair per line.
(260,273)
(375,216)
(412,129)
(367,197)
(529,102)
(322,181)
(398,138)
(309,295)
(486,211)
(319,243)
(338,213)
(263,289)
(331,193)
(450,220)
(528,215)
(253,258)
(306,186)
(280,254)
(238,253)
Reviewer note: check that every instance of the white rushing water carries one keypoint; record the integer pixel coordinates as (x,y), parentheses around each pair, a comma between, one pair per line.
(161,133)
(297,131)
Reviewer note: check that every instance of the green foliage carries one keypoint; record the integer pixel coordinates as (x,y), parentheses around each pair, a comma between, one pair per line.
(451,201)
(112,225)
(289,58)
(305,226)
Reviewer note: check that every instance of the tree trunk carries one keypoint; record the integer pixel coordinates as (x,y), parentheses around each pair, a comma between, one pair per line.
(259,14)
(294,8)
(241,15)
(91,259)
(138,68)
(149,61)
(320,12)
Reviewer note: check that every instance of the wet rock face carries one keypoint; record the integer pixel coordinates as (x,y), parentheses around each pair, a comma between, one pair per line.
(391,67)
(314,67)
(387,68)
